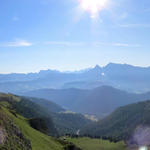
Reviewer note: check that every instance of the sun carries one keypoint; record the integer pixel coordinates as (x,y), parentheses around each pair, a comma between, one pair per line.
(93,6)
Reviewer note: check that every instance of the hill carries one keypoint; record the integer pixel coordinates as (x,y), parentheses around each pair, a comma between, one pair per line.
(130,123)
(99,101)
(54,122)
(48,105)
(17,134)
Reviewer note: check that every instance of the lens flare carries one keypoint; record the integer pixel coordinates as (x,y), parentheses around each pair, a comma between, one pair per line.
(143,148)
(93,6)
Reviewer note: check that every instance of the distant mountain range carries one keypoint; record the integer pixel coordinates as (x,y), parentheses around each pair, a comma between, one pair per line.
(100,101)
(122,76)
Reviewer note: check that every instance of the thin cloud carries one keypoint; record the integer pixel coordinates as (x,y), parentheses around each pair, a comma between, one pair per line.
(65,43)
(135,25)
(96,44)
(17,43)
(116,44)
(126,45)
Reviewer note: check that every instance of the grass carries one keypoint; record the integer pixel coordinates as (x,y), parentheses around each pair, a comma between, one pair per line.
(96,144)
(39,141)
(4,104)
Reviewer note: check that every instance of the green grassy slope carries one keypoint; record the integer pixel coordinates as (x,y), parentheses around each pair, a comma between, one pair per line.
(16,132)
(39,141)
(61,122)
(96,144)
(11,136)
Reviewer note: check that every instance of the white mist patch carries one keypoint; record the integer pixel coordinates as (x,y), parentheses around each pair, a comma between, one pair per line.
(103,74)
(141,137)
(143,148)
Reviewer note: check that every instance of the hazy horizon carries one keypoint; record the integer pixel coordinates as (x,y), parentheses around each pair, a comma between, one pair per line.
(75,70)
(72,34)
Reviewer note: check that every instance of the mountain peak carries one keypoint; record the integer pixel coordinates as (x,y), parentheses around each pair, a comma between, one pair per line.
(117,65)
(97,67)
(112,64)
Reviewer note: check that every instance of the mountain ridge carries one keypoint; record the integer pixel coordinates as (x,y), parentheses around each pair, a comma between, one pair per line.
(130,123)
(123,76)
(99,101)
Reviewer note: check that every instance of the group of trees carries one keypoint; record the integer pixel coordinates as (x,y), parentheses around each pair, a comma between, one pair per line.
(109,138)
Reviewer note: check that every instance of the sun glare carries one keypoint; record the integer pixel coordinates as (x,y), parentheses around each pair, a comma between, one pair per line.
(93,6)
(143,148)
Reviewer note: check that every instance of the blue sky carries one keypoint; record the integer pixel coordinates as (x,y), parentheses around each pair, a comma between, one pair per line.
(59,34)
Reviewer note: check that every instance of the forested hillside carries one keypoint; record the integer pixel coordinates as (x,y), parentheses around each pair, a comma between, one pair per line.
(99,101)
(124,124)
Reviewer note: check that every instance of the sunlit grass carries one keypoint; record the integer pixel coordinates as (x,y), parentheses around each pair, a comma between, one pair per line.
(97,144)
(39,141)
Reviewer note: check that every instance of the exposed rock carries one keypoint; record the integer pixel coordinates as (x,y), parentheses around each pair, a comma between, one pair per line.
(2,135)
(11,136)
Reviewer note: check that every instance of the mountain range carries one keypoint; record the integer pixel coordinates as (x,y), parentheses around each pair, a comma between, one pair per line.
(122,76)
(100,101)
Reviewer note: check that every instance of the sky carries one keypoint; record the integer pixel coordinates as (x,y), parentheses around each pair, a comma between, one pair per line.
(72,34)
